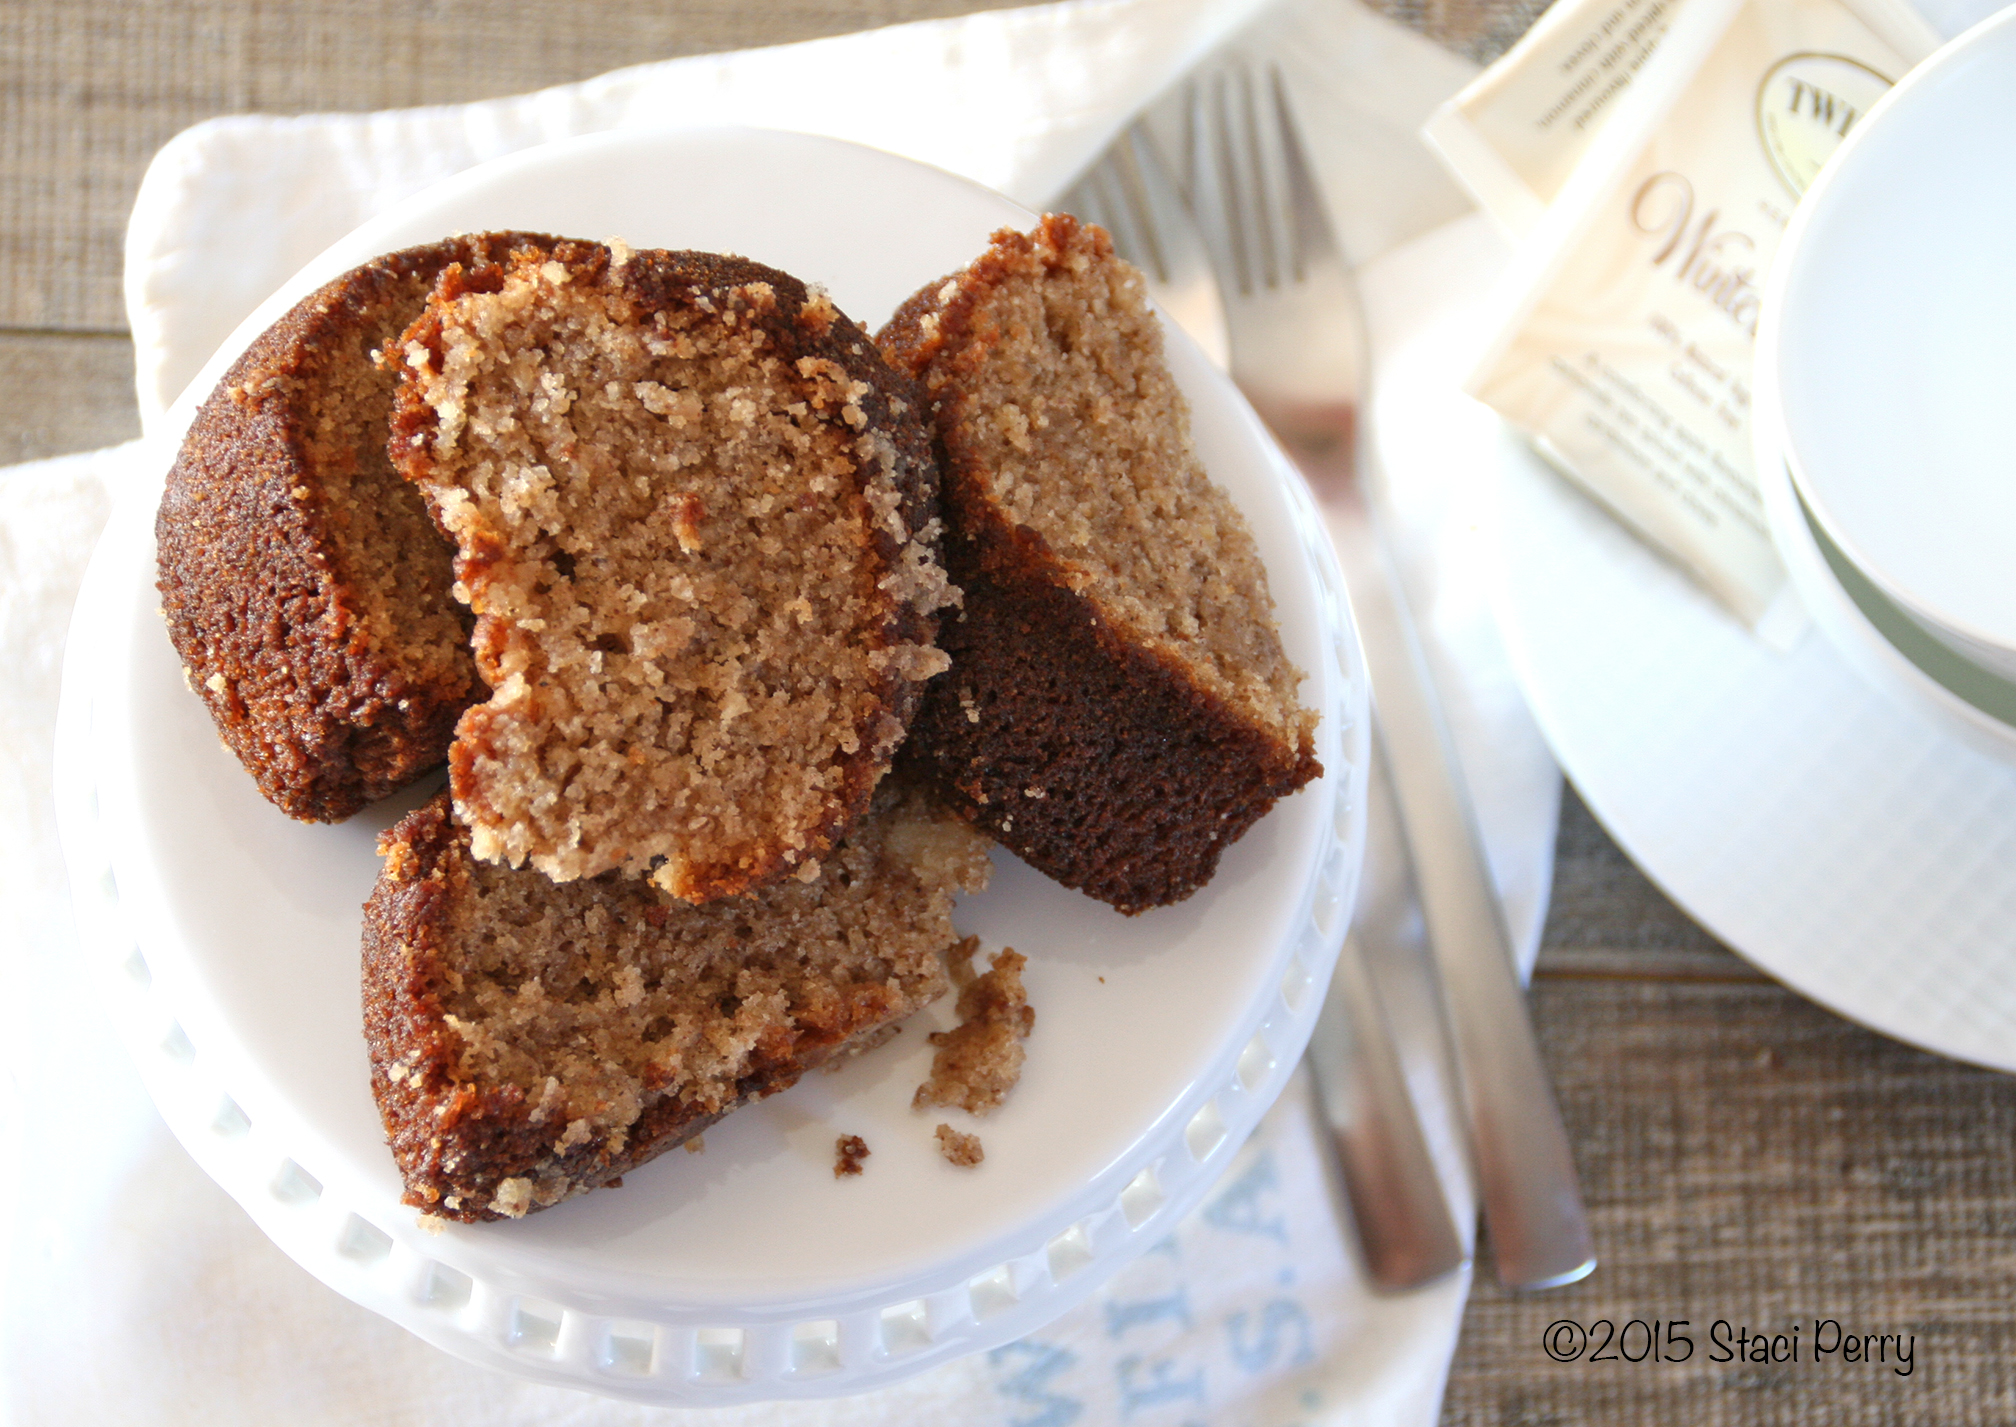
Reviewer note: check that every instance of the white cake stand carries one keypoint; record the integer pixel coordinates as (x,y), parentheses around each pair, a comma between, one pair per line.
(225,937)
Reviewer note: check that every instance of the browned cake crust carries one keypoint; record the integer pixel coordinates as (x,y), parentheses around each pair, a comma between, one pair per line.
(1119,709)
(303,584)
(532,1040)
(696,516)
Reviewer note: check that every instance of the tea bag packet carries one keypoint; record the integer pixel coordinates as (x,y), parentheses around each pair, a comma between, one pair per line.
(1515,133)
(1624,349)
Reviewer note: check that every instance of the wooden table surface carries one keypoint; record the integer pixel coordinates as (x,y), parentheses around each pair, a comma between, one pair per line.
(1747,1157)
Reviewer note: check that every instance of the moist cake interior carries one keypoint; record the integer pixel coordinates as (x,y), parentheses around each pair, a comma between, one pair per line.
(1077,423)
(684,624)
(573,1012)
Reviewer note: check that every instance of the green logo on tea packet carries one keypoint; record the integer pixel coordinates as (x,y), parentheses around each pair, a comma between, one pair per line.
(1805,108)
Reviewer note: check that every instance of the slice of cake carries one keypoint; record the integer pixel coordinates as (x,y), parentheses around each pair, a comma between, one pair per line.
(531,1040)
(1119,708)
(695,516)
(305,588)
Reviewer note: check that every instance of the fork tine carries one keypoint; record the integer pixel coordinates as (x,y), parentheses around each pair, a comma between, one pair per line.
(1240,176)
(1262,200)
(1219,176)
(1256,193)
(1313,239)
(1254,181)
(1297,182)
(1130,164)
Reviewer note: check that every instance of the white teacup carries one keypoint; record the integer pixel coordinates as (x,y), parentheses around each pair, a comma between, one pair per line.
(1893,347)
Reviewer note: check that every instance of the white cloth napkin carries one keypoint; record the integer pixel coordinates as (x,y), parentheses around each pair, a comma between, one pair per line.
(133,1290)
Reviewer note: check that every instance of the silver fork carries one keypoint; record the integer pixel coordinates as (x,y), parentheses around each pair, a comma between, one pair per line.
(1398,1209)
(1298,352)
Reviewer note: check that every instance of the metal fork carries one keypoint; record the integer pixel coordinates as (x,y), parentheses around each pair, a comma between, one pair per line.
(1398,1209)
(1298,352)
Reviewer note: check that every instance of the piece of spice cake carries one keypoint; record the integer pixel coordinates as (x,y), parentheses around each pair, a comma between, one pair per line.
(531,1040)
(1120,708)
(695,514)
(304,585)
(979,1061)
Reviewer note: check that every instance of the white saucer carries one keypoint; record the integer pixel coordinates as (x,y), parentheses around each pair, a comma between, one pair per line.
(1852,850)
(226,936)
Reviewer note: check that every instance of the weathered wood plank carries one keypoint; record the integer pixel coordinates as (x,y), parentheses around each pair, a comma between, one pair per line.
(1751,1158)
(63,392)
(1481,29)
(89,92)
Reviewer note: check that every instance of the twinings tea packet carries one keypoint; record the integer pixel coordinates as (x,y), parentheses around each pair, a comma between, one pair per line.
(1515,133)
(1624,355)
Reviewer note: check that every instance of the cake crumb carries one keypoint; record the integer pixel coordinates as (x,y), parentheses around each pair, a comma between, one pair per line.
(514,1197)
(849,1151)
(959,1147)
(431,1223)
(697,1145)
(979,1060)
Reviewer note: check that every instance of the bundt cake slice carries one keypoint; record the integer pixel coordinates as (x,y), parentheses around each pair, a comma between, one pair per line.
(695,514)
(1119,707)
(304,586)
(531,1040)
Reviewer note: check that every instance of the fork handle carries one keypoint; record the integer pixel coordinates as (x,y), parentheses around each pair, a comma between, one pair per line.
(1405,1231)
(1526,1176)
